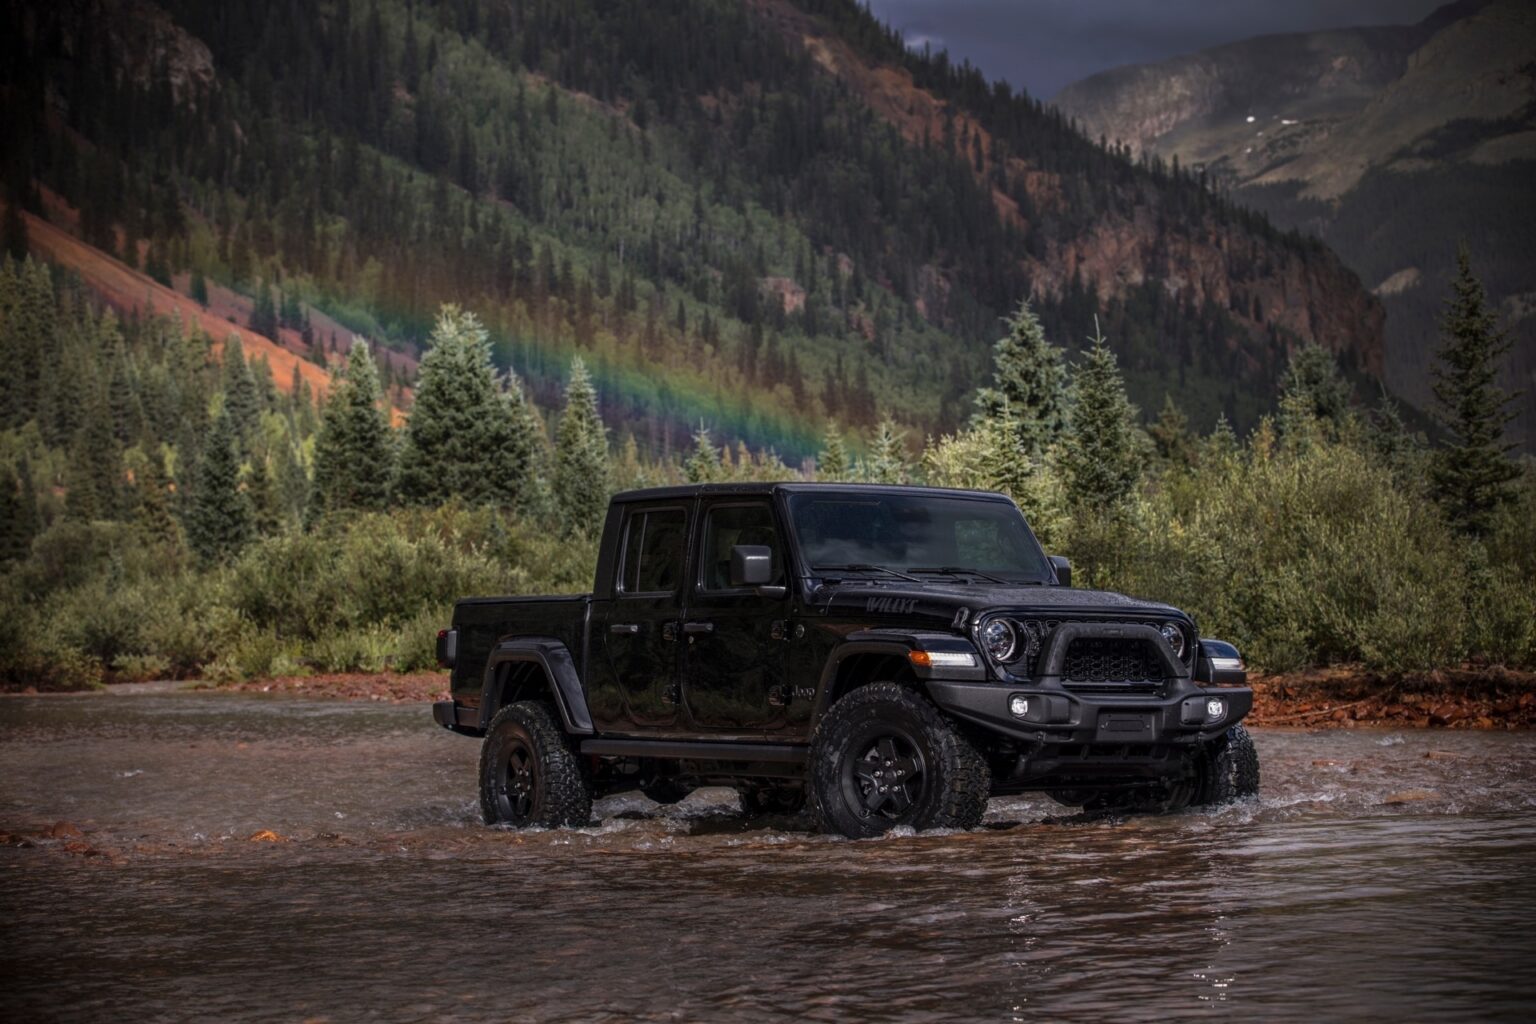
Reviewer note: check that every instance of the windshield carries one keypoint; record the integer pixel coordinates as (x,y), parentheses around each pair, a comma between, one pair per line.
(903,533)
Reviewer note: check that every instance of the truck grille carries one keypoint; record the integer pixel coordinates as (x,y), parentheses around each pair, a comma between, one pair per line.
(1109,660)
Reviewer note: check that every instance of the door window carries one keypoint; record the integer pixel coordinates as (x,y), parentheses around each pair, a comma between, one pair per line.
(653,551)
(725,527)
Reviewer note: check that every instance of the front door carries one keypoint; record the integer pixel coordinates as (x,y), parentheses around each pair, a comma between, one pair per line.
(733,664)
(639,629)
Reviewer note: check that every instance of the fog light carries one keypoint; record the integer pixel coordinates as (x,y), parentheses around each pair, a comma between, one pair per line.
(1215,708)
(1018,707)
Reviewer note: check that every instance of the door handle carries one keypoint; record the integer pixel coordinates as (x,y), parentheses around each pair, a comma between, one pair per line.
(625,628)
(692,628)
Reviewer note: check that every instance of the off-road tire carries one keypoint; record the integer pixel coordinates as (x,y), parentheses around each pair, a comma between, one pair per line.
(772,801)
(943,781)
(1230,770)
(550,790)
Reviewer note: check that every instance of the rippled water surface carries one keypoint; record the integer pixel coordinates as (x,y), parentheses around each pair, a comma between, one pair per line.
(1381,876)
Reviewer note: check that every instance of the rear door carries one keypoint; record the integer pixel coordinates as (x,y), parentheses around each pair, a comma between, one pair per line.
(733,663)
(638,629)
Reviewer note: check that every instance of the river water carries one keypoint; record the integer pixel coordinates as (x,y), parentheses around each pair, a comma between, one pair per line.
(1380,876)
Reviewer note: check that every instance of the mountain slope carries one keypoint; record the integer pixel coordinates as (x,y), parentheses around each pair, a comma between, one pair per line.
(757,215)
(1392,144)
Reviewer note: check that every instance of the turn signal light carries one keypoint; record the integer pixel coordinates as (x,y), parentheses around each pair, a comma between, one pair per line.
(942,659)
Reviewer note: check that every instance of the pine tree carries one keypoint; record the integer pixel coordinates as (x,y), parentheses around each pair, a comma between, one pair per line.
(1313,392)
(463,437)
(1171,435)
(581,456)
(264,314)
(242,398)
(221,521)
(887,462)
(1103,456)
(1471,475)
(16,526)
(1029,384)
(833,463)
(199,289)
(354,454)
(95,472)
(153,517)
(703,464)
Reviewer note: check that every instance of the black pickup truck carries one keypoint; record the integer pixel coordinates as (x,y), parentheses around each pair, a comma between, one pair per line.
(889,655)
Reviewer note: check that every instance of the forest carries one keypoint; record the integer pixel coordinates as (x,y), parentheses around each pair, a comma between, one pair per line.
(167,510)
(720,229)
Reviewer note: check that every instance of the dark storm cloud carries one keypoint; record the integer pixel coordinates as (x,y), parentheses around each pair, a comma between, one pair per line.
(1043,45)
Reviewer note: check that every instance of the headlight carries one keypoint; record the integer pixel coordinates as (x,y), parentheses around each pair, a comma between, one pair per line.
(1175,637)
(999,639)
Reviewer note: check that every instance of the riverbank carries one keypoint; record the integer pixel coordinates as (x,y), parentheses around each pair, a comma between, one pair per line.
(1337,698)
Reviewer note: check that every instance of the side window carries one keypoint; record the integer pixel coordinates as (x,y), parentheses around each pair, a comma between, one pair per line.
(653,551)
(729,525)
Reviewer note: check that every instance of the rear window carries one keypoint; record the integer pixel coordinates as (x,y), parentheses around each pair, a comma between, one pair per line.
(653,551)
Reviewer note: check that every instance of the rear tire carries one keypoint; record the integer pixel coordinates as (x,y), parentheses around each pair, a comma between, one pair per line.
(883,756)
(529,775)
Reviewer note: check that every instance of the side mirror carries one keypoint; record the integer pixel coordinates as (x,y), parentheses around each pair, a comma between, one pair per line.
(1063,569)
(751,565)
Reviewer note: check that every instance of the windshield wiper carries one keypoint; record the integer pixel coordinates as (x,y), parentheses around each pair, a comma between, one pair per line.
(960,570)
(865,567)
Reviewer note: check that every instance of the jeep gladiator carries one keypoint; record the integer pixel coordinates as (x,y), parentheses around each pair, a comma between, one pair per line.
(881,655)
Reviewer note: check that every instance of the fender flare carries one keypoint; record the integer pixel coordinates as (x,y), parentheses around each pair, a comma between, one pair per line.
(559,667)
(895,643)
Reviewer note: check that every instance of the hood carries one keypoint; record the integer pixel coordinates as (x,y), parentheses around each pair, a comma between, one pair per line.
(937,603)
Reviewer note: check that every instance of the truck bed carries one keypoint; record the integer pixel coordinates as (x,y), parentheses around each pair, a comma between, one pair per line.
(483,622)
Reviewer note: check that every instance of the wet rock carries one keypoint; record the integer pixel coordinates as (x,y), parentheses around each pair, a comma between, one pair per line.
(64,830)
(1443,755)
(1411,796)
(1324,763)
(266,835)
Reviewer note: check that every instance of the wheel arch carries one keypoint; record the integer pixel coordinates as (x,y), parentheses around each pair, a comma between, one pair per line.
(535,668)
(862,660)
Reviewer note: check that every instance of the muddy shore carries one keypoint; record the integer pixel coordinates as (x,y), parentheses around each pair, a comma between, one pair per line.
(1339,697)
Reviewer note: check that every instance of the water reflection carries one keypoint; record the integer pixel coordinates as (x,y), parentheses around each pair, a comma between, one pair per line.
(1380,877)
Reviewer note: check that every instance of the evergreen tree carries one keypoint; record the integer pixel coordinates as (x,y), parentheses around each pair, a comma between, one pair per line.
(517,447)
(18,522)
(199,289)
(264,314)
(1171,435)
(887,462)
(1103,456)
(242,398)
(95,472)
(1029,384)
(833,463)
(1471,475)
(221,521)
(581,456)
(703,464)
(1313,390)
(354,454)
(463,437)
(153,517)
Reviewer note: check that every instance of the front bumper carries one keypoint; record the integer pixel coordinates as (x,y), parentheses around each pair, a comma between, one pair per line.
(1056,715)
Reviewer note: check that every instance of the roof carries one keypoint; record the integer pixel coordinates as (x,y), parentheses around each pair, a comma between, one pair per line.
(792,487)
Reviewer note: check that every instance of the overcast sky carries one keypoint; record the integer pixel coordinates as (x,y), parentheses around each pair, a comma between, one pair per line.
(1044,44)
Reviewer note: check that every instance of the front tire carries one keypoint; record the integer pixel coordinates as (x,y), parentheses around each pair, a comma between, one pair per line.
(1230,771)
(529,775)
(883,756)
